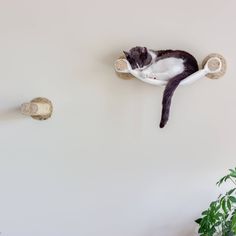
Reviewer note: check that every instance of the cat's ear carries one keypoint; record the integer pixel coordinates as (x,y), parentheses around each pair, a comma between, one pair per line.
(144,53)
(126,54)
(144,50)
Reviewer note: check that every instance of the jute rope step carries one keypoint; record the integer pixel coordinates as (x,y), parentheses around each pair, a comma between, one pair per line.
(119,66)
(215,65)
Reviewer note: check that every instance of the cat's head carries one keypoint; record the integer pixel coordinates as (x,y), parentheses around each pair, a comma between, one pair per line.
(138,57)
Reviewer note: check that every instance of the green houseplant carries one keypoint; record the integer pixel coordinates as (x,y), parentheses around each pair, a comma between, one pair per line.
(220,217)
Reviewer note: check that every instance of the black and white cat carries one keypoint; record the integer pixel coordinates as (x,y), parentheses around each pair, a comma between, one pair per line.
(169,67)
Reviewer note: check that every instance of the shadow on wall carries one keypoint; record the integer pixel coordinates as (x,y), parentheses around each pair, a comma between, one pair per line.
(109,59)
(13,113)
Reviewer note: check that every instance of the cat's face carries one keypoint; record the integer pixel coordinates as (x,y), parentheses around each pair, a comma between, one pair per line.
(138,57)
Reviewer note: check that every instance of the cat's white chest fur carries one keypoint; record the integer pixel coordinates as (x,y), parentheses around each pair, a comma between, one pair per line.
(164,69)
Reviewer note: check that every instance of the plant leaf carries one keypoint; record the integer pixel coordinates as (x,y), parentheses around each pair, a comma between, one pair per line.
(229,204)
(232,199)
(233,223)
(198,221)
(231,191)
(205,212)
(224,206)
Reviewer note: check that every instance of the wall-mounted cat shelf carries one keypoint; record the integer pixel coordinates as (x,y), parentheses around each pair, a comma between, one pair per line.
(168,68)
(39,108)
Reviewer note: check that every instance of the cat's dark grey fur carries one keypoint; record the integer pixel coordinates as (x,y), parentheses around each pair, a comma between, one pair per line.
(140,56)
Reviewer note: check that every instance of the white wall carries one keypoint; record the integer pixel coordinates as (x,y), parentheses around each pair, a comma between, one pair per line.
(101,166)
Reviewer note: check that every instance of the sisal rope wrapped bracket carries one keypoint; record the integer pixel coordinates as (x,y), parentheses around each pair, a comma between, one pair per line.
(38,108)
(119,66)
(214,65)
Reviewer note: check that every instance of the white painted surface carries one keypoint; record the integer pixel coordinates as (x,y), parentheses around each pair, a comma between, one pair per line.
(101,166)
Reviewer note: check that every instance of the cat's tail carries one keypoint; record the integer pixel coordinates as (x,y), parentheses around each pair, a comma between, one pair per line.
(167,96)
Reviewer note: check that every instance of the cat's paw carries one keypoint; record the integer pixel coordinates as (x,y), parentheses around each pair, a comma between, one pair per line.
(151,76)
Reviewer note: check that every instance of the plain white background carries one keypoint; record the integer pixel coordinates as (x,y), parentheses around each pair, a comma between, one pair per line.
(101,166)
